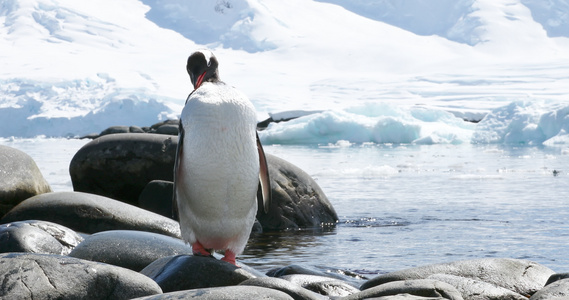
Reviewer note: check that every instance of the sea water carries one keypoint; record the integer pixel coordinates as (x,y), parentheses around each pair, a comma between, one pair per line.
(402,206)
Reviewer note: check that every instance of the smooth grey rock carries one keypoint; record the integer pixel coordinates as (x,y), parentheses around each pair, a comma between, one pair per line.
(119,166)
(223,293)
(298,201)
(295,291)
(157,197)
(115,130)
(418,287)
(169,129)
(20,178)
(90,213)
(128,248)
(183,272)
(43,276)
(477,290)
(37,237)
(554,291)
(322,285)
(553,278)
(135,129)
(406,297)
(521,276)
(173,122)
(304,270)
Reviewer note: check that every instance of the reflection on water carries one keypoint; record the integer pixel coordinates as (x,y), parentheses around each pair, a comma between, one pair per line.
(269,250)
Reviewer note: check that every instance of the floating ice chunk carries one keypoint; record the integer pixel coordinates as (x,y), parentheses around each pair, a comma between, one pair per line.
(372,122)
(525,122)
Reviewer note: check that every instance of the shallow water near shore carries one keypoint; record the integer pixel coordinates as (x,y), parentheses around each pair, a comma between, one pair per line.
(403,206)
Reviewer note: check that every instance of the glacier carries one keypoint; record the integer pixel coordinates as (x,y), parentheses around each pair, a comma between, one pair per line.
(382,71)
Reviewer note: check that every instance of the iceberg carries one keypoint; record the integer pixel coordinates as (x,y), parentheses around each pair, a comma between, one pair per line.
(525,123)
(372,123)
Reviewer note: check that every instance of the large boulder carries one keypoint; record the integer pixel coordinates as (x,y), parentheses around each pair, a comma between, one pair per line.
(322,285)
(90,213)
(184,272)
(477,290)
(558,276)
(295,291)
(37,237)
(157,197)
(417,287)
(298,201)
(42,276)
(20,178)
(119,166)
(223,293)
(309,270)
(407,297)
(557,290)
(128,248)
(521,276)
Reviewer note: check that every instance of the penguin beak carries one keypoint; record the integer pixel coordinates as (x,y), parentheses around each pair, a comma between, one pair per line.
(199,81)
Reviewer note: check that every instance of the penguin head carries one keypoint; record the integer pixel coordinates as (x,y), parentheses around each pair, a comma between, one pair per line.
(202,67)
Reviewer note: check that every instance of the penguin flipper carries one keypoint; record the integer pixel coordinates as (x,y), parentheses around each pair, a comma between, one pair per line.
(264,195)
(179,150)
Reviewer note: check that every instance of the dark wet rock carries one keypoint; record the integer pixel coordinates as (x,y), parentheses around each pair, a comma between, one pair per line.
(223,293)
(90,136)
(257,227)
(37,237)
(322,285)
(184,272)
(553,278)
(170,122)
(157,197)
(168,129)
(298,201)
(135,129)
(47,276)
(120,166)
(555,291)
(90,213)
(305,270)
(477,290)
(417,287)
(129,249)
(295,291)
(120,129)
(20,178)
(115,130)
(521,276)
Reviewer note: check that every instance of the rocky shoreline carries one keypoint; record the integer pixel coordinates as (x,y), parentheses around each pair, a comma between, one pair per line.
(113,238)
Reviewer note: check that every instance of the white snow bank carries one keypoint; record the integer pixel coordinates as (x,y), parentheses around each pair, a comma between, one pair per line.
(30,108)
(71,67)
(462,21)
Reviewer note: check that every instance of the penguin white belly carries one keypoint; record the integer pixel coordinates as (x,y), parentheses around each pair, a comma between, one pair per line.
(221,168)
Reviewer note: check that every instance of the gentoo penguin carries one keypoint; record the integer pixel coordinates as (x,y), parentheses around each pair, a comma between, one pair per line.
(220,164)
